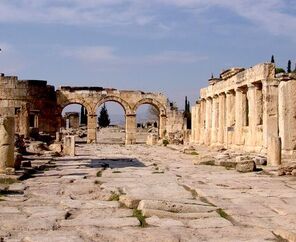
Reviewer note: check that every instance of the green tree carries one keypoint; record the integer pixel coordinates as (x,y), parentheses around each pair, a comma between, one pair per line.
(83,115)
(289,66)
(187,113)
(272,59)
(103,119)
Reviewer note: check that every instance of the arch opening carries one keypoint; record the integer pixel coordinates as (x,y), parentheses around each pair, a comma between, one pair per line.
(74,121)
(147,121)
(111,122)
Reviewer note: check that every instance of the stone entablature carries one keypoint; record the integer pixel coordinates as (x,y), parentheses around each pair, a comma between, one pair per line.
(244,110)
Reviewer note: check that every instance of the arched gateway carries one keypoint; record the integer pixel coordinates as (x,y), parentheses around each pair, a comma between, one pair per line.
(93,97)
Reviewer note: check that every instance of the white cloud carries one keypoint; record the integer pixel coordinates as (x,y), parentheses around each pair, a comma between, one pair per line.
(107,55)
(270,15)
(10,60)
(91,53)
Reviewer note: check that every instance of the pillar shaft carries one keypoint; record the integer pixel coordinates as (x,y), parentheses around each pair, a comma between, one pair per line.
(215,120)
(239,115)
(91,128)
(7,130)
(130,129)
(162,125)
(207,136)
(270,110)
(202,121)
(222,119)
(197,123)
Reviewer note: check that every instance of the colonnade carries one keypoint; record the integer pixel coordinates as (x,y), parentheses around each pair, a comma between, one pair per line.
(241,115)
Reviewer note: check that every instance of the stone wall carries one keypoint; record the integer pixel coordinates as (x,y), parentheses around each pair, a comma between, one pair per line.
(32,102)
(242,108)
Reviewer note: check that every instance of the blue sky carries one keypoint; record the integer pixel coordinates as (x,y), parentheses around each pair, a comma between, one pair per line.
(168,46)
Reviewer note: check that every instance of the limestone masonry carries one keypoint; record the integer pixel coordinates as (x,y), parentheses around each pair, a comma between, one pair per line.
(36,105)
(248,109)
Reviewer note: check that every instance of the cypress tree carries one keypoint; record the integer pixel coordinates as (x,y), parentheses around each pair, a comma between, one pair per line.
(272,59)
(103,119)
(289,66)
(82,115)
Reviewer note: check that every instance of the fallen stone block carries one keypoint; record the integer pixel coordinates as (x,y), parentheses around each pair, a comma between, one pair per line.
(285,234)
(161,222)
(129,202)
(166,214)
(209,223)
(245,166)
(174,206)
(262,161)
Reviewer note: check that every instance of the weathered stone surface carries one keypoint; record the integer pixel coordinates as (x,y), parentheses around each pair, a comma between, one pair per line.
(6,143)
(274,150)
(245,166)
(214,222)
(286,235)
(174,206)
(37,147)
(56,147)
(262,161)
(156,221)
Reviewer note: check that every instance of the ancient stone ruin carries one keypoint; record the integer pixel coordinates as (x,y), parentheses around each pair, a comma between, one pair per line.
(38,107)
(248,109)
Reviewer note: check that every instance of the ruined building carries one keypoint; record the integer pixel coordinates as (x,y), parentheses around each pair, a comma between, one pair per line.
(36,105)
(245,108)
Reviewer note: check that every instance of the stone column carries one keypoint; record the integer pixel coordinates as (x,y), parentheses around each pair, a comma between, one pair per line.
(7,129)
(239,115)
(91,128)
(162,125)
(274,150)
(202,121)
(252,115)
(207,137)
(215,119)
(222,119)
(24,122)
(69,145)
(130,129)
(230,117)
(193,124)
(270,110)
(197,122)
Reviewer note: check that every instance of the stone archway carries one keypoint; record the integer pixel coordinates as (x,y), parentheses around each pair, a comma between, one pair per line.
(127,113)
(162,113)
(67,103)
(92,97)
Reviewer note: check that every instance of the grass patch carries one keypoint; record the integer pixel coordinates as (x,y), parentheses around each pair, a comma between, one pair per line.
(194,153)
(157,172)
(142,219)
(99,173)
(7,181)
(98,182)
(165,142)
(114,196)
(225,215)
(116,172)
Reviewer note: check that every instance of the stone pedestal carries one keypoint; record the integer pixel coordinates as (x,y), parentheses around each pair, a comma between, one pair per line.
(7,130)
(274,150)
(58,137)
(152,139)
(69,145)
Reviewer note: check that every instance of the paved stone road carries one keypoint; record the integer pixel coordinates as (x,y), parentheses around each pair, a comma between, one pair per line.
(103,193)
